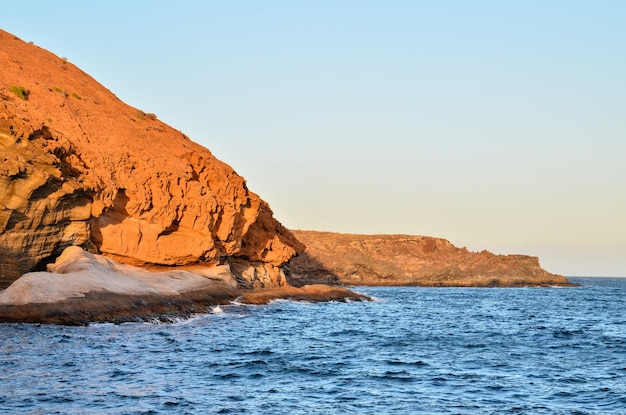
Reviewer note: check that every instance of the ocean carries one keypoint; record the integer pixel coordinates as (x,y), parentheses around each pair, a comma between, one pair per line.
(410,351)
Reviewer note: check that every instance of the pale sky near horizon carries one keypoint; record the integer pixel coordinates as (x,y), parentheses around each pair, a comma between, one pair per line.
(498,125)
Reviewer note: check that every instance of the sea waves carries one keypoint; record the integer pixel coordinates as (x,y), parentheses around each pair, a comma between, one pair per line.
(415,350)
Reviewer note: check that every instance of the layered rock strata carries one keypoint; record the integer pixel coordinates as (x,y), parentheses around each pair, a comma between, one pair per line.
(78,167)
(81,287)
(409,260)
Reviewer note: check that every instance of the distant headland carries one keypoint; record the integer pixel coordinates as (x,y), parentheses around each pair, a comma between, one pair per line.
(410,260)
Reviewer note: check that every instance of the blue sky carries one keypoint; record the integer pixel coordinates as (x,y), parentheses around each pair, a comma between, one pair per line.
(498,125)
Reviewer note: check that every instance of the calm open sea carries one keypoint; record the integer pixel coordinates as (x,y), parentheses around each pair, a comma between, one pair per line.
(412,351)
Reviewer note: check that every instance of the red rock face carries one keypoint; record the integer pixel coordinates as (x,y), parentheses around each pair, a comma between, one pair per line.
(409,260)
(80,167)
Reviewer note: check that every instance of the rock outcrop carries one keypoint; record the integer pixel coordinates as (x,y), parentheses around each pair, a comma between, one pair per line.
(78,167)
(409,260)
(77,273)
(81,287)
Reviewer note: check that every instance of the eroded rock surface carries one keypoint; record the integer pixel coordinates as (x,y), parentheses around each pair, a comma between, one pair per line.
(77,273)
(81,287)
(78,167)
(409,260)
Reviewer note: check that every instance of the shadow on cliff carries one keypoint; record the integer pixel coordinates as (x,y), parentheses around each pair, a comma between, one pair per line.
(259,242)
(113,215)
(304,269)
(9,269)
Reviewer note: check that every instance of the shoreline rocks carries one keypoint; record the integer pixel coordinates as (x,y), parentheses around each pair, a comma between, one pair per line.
(81,287)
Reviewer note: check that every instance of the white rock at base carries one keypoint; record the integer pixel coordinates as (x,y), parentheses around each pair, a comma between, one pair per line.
(76,273)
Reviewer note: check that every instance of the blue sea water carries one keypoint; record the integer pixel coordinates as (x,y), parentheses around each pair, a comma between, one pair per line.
(412,351)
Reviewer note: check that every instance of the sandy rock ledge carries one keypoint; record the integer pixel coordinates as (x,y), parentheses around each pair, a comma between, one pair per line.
(81,287)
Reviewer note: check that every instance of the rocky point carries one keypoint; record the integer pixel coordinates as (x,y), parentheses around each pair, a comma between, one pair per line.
(410,260)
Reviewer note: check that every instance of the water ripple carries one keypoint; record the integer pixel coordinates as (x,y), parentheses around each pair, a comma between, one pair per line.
(414,351)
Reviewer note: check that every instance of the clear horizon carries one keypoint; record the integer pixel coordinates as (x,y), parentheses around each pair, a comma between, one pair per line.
(495,125)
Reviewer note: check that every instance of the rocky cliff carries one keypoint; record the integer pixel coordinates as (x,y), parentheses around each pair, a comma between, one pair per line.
(409,260)
(80,167)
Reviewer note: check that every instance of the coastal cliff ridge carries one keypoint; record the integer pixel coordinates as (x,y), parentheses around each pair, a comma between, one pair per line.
(352,259)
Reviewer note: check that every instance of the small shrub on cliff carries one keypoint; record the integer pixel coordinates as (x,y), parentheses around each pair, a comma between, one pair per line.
(75,95)
(20,91)
(146,116)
